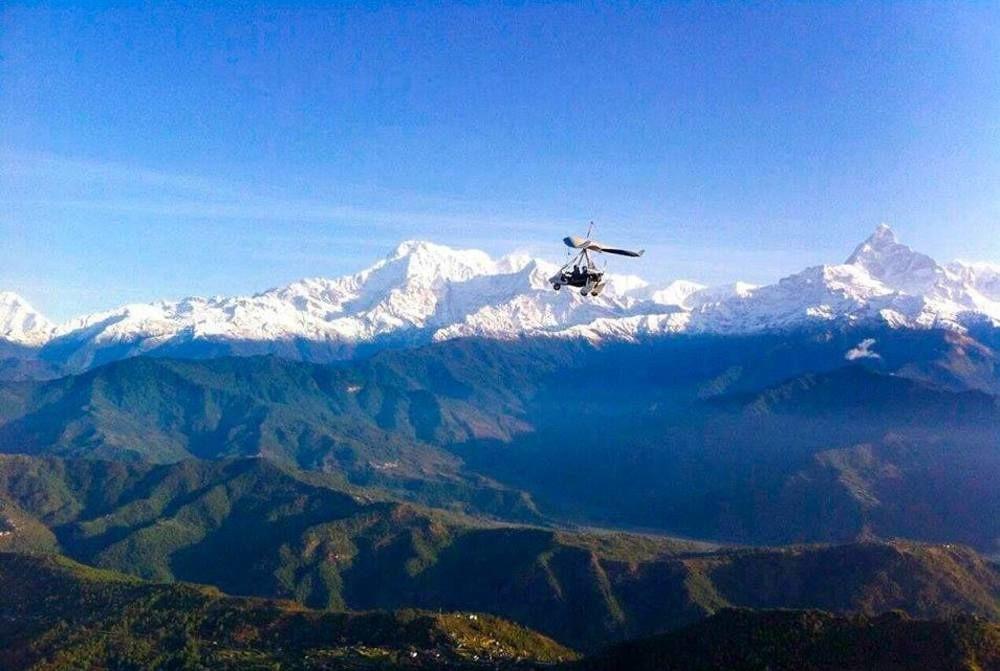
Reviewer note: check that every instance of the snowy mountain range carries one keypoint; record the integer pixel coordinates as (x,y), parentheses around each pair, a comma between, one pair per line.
(424,292)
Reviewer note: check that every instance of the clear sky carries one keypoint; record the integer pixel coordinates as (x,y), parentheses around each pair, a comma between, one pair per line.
(178,150)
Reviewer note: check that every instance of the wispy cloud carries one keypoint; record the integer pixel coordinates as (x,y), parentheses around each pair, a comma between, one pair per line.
(40,179)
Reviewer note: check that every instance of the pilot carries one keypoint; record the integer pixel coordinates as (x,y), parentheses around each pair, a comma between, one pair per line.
(577,275)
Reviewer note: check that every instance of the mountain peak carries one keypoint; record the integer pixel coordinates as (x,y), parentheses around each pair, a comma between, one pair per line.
(894,264)
(429,262)
(21,323)
(883,238)
(410,247)
(883,235)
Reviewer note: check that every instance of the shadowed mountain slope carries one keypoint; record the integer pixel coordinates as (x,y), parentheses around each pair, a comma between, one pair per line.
(698,436)
(743,640)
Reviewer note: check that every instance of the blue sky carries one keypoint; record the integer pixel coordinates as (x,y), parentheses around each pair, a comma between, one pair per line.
(175,150)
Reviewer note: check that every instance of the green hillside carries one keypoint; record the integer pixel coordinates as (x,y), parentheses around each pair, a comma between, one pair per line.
(250,527)
(56,614)
(370,427)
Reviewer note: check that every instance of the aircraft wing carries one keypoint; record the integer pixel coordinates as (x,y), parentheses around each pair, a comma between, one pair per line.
(594,246)
(620,252)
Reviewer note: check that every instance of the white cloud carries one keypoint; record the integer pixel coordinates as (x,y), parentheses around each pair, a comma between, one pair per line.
(862,351)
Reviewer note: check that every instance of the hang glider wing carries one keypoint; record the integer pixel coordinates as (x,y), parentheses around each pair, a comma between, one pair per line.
(593,246)
(620,252)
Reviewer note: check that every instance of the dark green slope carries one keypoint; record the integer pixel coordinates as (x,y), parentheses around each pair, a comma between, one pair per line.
(252,528)
(315,417)
(390,407)
(56,614)
(873,577)
(582,595)
(164,410)
(742,640)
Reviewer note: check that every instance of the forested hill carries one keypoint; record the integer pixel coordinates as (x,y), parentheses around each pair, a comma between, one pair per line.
(58,615)
(252,528)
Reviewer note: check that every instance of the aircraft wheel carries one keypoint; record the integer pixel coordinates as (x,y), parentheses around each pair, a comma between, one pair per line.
(583,292)
(557,287)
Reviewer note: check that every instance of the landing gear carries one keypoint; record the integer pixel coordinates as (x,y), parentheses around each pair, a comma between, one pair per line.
(589,281)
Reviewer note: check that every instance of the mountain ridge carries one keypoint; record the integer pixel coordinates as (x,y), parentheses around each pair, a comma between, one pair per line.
(424,292)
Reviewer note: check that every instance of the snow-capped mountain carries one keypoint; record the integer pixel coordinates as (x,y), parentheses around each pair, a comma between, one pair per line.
(20,323)
(882,281)
(419,293)
(424,292)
